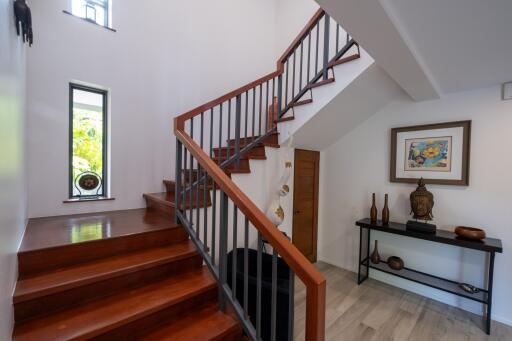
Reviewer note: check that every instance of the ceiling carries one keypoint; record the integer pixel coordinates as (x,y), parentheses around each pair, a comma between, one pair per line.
(432,47)
(462,44)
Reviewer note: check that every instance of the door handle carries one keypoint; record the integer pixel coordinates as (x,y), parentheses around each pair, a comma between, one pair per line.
(296,212)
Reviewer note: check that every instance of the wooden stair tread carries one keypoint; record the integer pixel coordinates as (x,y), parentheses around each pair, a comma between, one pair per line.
(102,269)
(205,324)
(344,60)
(164,198)
(107,314)
(303,102)
(51,232)
(323,82)
(284,119)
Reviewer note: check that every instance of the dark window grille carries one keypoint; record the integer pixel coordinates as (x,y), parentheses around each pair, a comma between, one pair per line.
(88,136)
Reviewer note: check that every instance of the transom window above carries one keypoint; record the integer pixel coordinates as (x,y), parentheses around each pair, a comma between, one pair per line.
(96,11)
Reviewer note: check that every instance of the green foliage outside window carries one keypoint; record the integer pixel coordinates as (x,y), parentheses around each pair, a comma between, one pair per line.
(87,141)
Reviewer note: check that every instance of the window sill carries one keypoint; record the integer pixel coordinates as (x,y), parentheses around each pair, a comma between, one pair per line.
(90,22)
(75,200)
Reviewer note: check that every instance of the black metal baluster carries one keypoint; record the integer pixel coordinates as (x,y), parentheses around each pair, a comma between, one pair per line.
(326,46)
(337,37)
(246,268)
(223,248)
(291,305)
(317,42)
(261,103)
(214,219)
(286,88)
(234,252)
(197,200)
(273,102)
(205,211)
(229,132)
(191,181)
(246,115)
(185,184)
(177,191)
(274,297)
(237,130)
(211,133)
(220,129)
(258,287)
(301,62)
(309,56)
(253,112)
(266,111)
(293,76)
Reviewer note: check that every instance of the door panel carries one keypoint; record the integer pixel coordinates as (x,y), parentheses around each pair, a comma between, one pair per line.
(305,202)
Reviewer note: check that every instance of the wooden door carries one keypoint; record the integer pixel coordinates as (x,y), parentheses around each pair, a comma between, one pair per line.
(305,202)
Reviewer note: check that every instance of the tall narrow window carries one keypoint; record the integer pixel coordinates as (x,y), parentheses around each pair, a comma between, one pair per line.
(88,142)
(97,11)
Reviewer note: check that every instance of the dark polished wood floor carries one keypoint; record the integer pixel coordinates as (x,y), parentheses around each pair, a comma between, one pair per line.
(57,231)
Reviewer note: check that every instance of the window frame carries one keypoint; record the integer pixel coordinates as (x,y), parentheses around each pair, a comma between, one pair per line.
(104,172)
(107,8)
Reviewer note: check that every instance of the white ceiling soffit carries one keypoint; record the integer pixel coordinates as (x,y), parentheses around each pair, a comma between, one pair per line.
(368,22)
(464,44)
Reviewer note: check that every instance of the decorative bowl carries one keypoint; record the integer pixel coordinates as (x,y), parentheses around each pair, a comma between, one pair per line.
(395,263)
(470,233)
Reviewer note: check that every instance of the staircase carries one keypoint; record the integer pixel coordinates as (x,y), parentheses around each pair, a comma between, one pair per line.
(161,273)
(140,278)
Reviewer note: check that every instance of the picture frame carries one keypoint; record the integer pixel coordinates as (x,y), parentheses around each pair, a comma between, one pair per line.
(439,153)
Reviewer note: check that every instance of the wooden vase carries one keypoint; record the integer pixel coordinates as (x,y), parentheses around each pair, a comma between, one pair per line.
(385,211)
(375,257)
(373,211)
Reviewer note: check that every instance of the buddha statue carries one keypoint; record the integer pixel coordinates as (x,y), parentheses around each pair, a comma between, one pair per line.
(422,202)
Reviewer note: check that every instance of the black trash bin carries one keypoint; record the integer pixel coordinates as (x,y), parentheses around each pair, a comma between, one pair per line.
(283,290)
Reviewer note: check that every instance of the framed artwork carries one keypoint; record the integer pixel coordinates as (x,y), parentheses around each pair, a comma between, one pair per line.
(438,153)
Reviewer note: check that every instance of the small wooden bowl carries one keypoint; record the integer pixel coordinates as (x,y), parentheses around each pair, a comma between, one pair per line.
(470,233)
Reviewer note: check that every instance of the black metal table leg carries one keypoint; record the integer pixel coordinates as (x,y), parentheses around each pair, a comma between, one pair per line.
(360,277)
(489,295)
(359,259)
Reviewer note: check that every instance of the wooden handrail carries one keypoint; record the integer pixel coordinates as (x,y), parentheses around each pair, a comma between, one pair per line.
(302,35)
(280,70)
(308,274)
(314,281)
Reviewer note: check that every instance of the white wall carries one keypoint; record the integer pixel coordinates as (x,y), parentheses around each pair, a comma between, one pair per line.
(292,16)
(358,165)
(12,159)
(163,60)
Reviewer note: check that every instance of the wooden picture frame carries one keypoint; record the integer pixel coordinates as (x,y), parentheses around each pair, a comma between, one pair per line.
(451,167)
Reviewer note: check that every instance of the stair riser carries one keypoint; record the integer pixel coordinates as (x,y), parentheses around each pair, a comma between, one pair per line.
(159,207)
(34,262)
(170,186)
(274,139)
(165,209)
(44,305)
(144,325)
(258,151)
(244,165)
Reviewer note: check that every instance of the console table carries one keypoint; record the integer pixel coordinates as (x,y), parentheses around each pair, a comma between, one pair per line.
(488,245)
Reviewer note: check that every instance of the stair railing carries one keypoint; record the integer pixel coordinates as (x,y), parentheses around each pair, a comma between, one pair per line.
(222,221)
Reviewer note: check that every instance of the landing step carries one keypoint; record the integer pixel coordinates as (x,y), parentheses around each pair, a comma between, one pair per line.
(126,310)
(323,82)
(57,242)
(344,60)
(205,324)
(299,103)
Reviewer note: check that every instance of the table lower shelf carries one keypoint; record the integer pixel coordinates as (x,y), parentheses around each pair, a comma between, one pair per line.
(429,280)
